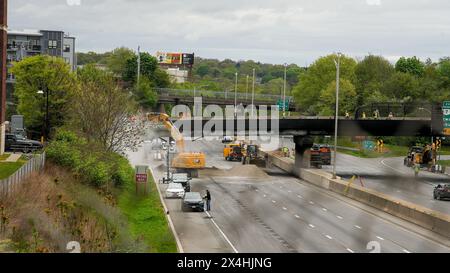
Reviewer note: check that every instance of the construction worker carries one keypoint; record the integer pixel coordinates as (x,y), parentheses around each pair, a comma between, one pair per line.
(416,170)
(376,114)
(208,201)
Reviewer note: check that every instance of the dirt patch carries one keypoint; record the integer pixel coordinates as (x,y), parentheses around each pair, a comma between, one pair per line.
(245,171)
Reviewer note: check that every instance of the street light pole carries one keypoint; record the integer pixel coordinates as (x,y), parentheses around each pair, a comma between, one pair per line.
(246,90)
(139,65)
(284,90)
(253,92)
(235,95)
(338,66)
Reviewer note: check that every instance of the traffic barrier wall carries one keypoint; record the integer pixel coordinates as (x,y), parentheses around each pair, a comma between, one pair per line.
(421,216)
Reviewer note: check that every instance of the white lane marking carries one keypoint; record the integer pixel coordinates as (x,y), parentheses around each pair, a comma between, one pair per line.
(358,227)
(289,191)
(311,202)
(222,233)
(380,238)
(340,217)
(349,250)
(406,251)
(265,196)
(324,209)
(273,201)
(257,190)
(284,208)
(329,237)
(296,216)
(299,196)
(311,226)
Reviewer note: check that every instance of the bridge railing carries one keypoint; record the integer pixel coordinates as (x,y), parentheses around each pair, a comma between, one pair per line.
(222,95)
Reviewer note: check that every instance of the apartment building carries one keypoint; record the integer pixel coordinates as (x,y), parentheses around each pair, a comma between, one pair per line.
(25,43)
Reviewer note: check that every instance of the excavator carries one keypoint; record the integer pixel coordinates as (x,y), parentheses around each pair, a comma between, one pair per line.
(183,162)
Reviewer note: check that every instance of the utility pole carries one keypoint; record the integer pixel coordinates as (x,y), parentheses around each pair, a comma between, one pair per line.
(139,65)
(3,45)
(338,67)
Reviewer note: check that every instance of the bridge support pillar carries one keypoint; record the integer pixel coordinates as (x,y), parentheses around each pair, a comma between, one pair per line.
(303,146)
(160,108)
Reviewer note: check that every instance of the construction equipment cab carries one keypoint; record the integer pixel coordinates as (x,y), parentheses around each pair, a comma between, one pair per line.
(233,152)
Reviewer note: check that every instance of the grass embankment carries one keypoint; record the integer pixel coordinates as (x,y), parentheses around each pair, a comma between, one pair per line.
(113,175)
(9,168)
(388,151)
(146,218)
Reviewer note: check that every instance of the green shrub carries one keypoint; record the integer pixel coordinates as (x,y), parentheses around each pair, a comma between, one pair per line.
(93,166)
(94,172)
(64,154)
(122,172)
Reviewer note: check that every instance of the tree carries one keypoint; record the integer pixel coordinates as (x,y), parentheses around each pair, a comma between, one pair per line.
(103,113)
(145,94)
(317,78)
(149,69)
(412,66)
(48,74)
(117,60)
(402,87)
(371,74)
(347,98)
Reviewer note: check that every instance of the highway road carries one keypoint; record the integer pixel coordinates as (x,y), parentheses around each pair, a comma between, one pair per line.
(390,176)
(253,211)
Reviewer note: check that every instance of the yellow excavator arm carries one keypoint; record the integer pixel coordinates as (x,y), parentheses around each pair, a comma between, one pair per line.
(183,160)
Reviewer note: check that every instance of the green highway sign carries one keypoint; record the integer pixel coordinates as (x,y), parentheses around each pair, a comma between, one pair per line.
(446,114)
(280,105)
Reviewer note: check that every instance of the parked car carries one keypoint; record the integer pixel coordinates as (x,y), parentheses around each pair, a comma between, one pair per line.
(441,192)
(193,201)
(20,143)
(183,179)
(175,190)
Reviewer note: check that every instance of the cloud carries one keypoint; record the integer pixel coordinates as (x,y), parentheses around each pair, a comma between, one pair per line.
(373,2)
(266,30)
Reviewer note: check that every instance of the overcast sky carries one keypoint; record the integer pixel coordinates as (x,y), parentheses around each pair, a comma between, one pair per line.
(274,31)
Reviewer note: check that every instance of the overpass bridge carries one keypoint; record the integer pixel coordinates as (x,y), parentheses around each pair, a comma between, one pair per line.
(304,128)
(222,98)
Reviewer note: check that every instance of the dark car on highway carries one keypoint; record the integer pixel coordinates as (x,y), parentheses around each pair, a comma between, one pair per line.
(442,192)
(19,143)
(193,201)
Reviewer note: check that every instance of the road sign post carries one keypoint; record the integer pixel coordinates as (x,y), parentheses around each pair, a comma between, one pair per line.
(141,173)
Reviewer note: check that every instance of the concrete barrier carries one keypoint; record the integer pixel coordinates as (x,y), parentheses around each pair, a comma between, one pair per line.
(421,216)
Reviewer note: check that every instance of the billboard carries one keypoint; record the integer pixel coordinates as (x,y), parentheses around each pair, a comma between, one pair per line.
(175,58)
(169,58)
(188,59)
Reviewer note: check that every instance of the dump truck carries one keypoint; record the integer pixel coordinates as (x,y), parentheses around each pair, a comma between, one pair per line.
(233,152)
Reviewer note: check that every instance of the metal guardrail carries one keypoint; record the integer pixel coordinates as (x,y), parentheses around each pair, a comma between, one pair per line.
(10,184)
(223,95)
